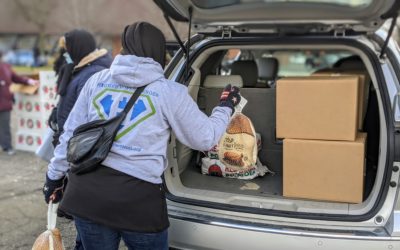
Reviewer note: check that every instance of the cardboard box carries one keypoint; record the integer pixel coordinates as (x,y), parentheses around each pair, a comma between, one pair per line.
(33,107)
(317,107)
(23,89)
(363,91)
(29,106)
(28,141)
(324,170)
(48,86)
(31,124)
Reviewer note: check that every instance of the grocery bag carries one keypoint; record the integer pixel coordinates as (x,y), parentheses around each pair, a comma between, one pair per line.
(238,146)
(46,150)
(51,238)
(235,156)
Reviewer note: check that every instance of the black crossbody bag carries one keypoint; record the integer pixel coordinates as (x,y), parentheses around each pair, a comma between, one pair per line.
(92,141)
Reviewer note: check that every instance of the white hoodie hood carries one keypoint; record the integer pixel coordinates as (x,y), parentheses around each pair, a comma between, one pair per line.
(132,71)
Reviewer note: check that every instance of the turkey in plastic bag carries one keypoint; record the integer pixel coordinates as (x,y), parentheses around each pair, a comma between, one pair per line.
(51,238)
(236,153)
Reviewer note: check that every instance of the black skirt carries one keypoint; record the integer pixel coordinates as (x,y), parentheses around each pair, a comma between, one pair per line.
(116,200)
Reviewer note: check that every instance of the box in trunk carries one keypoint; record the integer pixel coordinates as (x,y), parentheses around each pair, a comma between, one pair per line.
(317,107)
(363,90)
(324,170)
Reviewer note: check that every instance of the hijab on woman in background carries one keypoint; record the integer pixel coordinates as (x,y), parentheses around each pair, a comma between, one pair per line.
(78,44)
(60,60)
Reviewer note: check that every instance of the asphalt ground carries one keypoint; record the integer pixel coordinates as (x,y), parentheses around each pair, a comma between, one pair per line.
(23,211)
(22,207)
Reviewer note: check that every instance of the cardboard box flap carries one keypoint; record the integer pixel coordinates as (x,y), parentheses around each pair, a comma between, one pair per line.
(23,89)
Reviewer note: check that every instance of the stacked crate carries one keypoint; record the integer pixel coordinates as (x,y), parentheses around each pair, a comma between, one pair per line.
(32,112)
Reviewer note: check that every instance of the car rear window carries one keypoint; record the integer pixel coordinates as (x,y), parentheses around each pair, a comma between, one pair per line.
(291,62)
(306,62)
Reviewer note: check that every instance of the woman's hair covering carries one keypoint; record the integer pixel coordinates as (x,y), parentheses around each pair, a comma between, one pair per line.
(144,40)
(59,61)
(79,43)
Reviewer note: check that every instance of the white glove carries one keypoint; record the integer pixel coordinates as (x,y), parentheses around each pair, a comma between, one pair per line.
(33,82)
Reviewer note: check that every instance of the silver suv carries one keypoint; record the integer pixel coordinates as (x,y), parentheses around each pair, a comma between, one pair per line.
(253,44)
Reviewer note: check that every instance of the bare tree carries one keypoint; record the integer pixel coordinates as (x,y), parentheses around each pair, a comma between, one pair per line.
(37,13)
(84,14)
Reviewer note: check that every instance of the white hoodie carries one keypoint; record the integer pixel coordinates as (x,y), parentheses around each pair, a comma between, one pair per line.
(140,146)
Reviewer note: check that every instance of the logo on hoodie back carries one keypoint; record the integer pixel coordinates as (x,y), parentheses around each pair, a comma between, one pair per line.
(110,102)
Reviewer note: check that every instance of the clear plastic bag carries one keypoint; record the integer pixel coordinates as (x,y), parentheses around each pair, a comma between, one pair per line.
(51,238)
(235,156)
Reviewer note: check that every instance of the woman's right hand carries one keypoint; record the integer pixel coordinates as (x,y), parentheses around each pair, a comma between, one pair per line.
(230,97)
(53,190)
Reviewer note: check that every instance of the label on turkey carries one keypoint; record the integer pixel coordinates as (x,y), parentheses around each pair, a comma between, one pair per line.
(238,146)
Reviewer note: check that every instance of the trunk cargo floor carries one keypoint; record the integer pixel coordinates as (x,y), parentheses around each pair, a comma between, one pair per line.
(267,185)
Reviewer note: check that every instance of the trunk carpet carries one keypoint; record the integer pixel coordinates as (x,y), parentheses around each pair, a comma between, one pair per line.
(267,185)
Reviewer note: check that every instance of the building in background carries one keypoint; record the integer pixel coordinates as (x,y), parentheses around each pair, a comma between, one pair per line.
(29,29)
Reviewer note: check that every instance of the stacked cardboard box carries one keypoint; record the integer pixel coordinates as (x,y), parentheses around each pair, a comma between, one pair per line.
(363,90)
(323,153)
(33,106)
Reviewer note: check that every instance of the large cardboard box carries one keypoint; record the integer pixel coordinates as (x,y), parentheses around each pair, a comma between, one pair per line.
(33,105)
(28,141)
(317,107)
(324,170)
(363,90)
(24,89)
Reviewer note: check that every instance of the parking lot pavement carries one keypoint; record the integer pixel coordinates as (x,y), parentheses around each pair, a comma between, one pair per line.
(22,208)
(23,211)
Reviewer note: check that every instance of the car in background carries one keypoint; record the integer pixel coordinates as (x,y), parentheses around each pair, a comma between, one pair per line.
(20,57)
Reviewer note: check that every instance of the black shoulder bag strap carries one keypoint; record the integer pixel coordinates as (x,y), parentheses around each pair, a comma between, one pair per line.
(131,101)
(119,119)
(101,134)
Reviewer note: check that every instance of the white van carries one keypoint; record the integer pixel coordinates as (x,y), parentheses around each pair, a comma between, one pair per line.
(260,42)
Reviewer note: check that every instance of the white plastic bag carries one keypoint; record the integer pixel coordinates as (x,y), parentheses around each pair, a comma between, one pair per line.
(51,238)
(46,150)
(235,156)
(215,167)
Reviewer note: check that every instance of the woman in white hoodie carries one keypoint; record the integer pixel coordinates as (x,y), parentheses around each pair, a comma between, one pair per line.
(124,198)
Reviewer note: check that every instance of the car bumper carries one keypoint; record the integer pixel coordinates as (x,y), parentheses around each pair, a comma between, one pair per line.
(187,234)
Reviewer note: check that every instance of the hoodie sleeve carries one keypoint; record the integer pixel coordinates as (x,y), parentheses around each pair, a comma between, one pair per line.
(190,125)
(79,115)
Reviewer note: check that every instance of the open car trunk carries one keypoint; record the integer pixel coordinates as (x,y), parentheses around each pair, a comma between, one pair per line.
(185,179)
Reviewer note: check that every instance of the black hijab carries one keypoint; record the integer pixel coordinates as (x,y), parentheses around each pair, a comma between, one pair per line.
(79,43)
(144,40)
(59,61)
